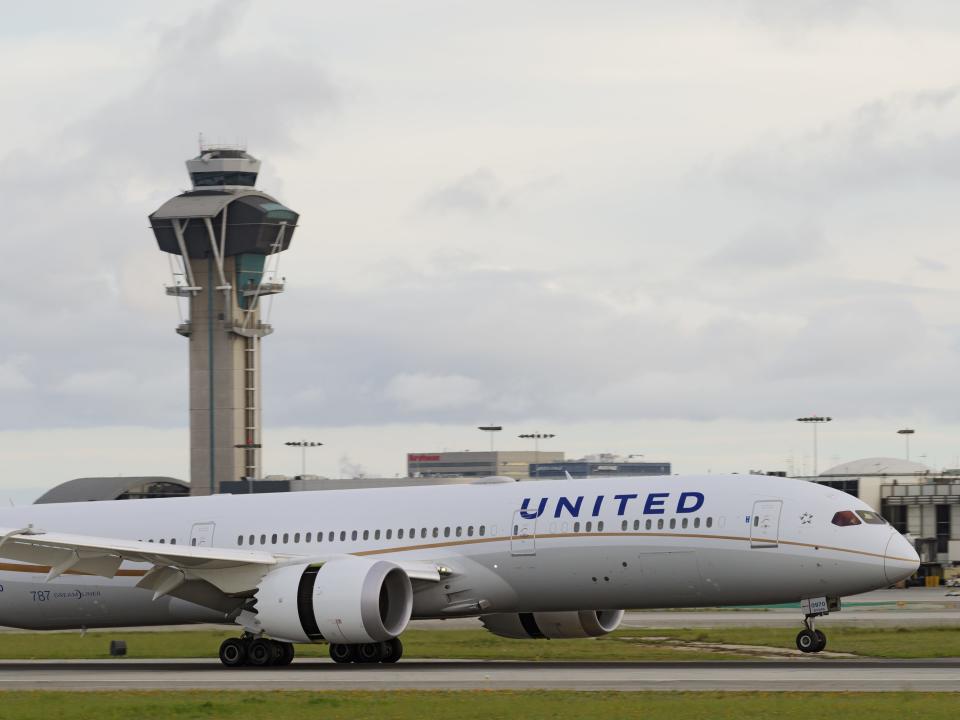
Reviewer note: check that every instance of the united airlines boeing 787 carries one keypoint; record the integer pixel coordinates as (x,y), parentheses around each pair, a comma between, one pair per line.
(543,559)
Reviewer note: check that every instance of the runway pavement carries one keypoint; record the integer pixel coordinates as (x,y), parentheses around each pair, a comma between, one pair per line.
(807,674)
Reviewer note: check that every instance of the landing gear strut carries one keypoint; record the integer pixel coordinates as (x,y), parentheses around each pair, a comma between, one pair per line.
(366,653)
(255,651)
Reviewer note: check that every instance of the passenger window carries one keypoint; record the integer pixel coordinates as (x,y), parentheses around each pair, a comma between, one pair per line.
(173,541)
(343,535)
(516,529)
(845,518)
(649,524)
(660,524)
(599,525)
(871,518)
(296,537)
(413,533)
(307,537)
(576,527)
(636,525)
(273,539)
(366,534)
(163,540)
(263,540)
(251,540)
(353,535)
(470,531)
(423,532)
(400,533)
(286,538)
(483,530)
(446,532)
(436,532)
(696,522)
(709,522)
(684,523)
(589,526)
(239,539)
(623,526)
(756,520)
(459,531)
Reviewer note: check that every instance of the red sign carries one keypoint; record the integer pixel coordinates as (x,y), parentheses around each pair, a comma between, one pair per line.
(422,458)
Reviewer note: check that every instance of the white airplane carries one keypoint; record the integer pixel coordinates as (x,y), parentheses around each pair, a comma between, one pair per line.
(554,559)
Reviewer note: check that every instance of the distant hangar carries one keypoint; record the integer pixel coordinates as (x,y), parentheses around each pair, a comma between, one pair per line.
(114,488)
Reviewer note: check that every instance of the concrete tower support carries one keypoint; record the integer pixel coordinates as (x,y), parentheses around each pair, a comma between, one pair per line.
(227,238)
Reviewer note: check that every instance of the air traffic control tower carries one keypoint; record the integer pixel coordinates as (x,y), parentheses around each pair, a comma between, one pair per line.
(224,238)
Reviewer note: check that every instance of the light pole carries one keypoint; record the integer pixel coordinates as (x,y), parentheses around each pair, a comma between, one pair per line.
(906,432)
(815,420)
(490,429)
(303,445)
(537,437)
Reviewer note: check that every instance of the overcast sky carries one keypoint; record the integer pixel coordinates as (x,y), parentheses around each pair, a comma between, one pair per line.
(657,228)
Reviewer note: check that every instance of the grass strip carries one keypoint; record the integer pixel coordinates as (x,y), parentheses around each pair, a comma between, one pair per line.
(624,644)
(471,705)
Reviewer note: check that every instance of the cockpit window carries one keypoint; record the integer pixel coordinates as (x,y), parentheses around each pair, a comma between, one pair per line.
(845,518)
(871,518)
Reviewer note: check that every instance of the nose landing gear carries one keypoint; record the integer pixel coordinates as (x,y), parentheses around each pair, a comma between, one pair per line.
(811,640)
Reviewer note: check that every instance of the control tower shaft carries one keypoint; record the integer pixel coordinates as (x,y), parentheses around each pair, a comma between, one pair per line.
(226,237)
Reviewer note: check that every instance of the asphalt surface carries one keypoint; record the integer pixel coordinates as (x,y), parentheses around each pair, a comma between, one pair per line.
(807,674)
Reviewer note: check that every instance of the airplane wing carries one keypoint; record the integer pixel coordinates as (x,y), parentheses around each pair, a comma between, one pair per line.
(231,571)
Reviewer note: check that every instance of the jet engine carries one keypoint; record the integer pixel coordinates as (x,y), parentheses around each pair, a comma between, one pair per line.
(554,625)
(346,600)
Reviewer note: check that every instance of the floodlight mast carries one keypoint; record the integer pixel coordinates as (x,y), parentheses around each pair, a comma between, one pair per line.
(224,238)
(815,420)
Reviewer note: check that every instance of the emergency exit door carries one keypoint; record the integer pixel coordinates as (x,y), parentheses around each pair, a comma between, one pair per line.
(765,523)
(523,535)
(201,534)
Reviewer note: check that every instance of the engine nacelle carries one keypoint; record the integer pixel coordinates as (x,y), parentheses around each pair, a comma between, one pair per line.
(554,625)
(347,600)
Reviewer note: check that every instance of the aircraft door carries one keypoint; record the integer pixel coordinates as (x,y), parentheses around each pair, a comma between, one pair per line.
(523,535)
(765,524)
(201,534)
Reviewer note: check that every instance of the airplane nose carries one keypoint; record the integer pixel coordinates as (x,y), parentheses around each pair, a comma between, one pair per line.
(900,559)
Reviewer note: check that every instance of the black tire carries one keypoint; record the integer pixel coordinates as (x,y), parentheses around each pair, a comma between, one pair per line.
(233,652)
(260,652)
(806,641)
(821,641)
(368,653)
(340,653)
(391,651)
(286,653)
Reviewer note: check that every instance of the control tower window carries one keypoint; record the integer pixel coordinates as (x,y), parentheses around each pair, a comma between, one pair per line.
(206,179)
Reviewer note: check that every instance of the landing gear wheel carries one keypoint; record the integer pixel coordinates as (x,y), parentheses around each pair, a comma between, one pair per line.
(233,652)
(821,641)
(340,653)
(286,653)
(807,641)
(260,652)
(368,653)
(391,650)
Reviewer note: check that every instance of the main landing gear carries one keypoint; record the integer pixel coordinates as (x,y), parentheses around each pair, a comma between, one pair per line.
(255,652)
(381,652)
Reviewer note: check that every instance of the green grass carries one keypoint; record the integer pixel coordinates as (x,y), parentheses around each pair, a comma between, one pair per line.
(879,642)
(626,644)
(463,644)
(472,705)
